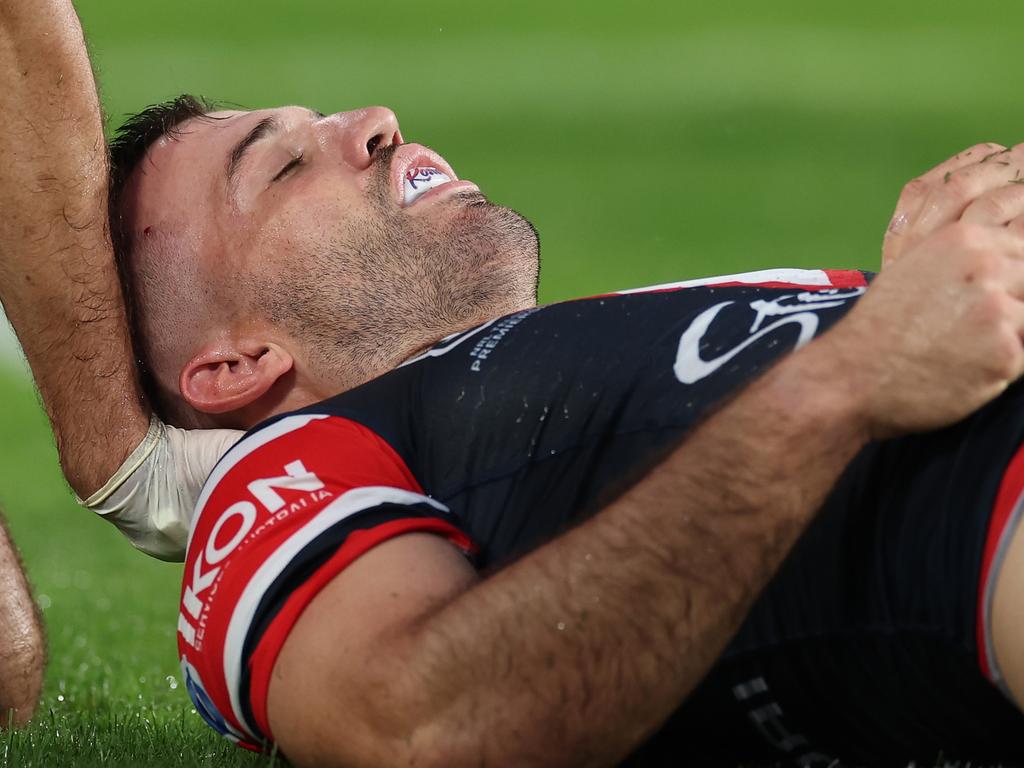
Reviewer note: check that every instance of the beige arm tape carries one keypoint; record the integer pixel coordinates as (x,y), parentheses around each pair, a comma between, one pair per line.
(152,496)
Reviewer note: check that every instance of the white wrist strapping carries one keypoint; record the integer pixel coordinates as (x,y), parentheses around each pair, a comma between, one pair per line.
(152,496)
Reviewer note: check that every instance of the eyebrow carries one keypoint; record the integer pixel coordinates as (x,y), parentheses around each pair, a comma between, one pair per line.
(262,129)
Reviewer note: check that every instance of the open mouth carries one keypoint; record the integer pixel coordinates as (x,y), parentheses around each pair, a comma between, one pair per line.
(421,179)
(417,171)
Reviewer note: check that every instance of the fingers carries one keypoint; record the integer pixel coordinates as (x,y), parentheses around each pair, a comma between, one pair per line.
(1014,286)
(940,196)
(998,207)
(1017,227)
(1018,318)
(1015,346)
(914,193)
(947,200)
(1009,347)
(970,156)
(1002,263)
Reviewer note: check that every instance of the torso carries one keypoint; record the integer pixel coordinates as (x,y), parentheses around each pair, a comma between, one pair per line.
(503,436)
(527,423)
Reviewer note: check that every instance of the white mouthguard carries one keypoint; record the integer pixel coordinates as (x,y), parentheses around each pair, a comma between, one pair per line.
(419,180)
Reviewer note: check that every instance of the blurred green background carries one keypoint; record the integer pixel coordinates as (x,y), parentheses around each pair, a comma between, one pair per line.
(648,141)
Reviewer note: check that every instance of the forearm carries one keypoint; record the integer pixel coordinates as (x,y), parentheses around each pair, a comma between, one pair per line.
(58,281)
(22,647)
(591,641)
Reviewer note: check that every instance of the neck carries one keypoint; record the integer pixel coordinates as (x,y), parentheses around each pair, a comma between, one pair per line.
(416,349)
(311,381)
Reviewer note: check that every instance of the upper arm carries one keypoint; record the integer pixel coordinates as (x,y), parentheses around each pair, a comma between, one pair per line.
(339,693)
(296,508)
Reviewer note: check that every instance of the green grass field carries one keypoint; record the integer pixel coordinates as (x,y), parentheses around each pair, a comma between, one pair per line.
(648,141)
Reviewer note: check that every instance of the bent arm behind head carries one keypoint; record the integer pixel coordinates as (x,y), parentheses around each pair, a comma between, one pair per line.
(58,282)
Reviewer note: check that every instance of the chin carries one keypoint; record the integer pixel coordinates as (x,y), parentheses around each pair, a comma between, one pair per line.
(502,244)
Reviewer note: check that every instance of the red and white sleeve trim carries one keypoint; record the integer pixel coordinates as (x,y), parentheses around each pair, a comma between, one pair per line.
(802,279)
(1006,516)
(271,497)
(346,505)
(358,543)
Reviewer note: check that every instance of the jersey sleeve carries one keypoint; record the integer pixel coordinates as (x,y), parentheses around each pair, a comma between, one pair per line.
(284,512)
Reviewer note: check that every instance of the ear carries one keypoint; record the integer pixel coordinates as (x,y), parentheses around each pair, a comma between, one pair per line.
(229,375)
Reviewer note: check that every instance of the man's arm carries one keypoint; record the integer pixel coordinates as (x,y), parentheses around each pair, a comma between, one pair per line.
(574,654)
(982,184)
(22,646)
(578,651)
(58,282)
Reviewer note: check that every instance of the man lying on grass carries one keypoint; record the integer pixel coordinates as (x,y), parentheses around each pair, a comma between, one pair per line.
(466,530)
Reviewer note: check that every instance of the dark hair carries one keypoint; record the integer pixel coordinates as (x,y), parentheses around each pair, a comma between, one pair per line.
(127,149)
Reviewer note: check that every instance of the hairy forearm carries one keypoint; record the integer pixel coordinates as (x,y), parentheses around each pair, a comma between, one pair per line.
(58,281)
(22,647)
(575,653)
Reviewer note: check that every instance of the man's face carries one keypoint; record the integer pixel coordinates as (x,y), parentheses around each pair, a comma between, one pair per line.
(358,247)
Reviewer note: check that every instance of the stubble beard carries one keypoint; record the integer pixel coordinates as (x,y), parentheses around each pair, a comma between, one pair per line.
(385,285)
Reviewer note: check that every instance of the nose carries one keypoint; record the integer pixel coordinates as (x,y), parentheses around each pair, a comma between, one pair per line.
(364,132)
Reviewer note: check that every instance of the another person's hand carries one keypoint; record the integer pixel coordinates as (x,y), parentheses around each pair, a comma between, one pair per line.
(939,332)
(984,184)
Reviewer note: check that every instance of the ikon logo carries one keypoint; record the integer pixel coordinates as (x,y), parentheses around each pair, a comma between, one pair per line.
(240,518)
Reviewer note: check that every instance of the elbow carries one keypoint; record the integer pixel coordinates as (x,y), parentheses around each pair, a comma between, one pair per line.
(382,726)
(22,641)
(430,731)
(21,678)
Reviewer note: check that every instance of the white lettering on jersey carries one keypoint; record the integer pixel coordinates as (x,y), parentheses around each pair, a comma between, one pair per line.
(690,367)
(296,477)
(450,343)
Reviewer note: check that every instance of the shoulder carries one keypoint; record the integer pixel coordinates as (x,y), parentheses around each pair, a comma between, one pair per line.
(319,446)
(302,474)
(289,507)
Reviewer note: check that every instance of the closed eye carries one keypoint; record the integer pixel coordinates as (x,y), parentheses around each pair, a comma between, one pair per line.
(294,163)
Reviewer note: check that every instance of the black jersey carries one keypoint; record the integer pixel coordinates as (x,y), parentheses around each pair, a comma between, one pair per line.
(500,437)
